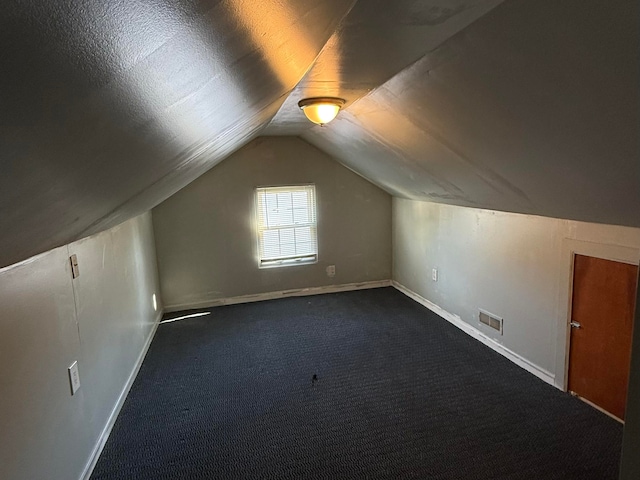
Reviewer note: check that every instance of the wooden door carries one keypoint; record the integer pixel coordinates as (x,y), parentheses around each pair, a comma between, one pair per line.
(602,321)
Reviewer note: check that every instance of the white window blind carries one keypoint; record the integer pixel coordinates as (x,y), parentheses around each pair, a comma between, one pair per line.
(286,218)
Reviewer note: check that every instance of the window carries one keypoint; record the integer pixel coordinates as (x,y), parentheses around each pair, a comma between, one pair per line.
(286,218)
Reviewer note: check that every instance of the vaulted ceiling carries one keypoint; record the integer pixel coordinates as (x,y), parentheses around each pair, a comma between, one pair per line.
(108,108)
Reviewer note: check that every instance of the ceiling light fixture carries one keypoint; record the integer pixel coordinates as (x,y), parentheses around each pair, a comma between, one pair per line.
(321,110)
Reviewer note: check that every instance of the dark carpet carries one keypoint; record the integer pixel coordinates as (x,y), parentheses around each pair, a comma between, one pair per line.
(365,384)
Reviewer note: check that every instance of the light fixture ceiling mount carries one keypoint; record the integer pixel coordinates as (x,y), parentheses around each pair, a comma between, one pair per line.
(321,110)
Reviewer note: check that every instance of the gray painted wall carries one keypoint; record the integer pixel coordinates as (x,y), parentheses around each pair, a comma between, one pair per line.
(45,432)
(205,236)
(515,266)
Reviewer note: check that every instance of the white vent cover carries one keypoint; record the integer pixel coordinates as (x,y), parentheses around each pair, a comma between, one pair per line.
(490,320)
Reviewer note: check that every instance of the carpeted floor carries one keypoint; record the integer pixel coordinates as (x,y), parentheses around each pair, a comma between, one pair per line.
(365,384)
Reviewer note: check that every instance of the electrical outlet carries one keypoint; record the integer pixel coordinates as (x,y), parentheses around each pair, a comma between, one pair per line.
(331,271)
(434,274)
(74,377)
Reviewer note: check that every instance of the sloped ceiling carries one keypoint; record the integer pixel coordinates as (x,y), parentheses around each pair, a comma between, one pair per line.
(532,109)
(108,108)
(375,41)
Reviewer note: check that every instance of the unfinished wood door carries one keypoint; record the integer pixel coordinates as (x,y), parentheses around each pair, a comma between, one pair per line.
(602,321)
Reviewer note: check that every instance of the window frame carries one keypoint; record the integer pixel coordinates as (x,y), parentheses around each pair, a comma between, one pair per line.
(303,259)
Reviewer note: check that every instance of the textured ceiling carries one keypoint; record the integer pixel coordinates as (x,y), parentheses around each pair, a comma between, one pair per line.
(108,108)
(376,40)
(532,109)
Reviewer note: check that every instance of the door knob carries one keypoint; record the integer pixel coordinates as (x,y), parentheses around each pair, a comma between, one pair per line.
(575,325)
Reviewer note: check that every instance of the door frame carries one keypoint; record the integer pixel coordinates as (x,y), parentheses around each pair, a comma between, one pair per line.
(570,248)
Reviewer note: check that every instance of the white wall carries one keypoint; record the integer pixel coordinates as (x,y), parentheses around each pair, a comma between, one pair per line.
(103,319)
(205,233)
(518,267)
(515,266)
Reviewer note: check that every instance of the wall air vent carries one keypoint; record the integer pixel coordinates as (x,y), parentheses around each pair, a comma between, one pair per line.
(490,320)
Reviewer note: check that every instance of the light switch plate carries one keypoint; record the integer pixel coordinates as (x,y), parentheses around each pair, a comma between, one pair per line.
(75,271)
(74,377)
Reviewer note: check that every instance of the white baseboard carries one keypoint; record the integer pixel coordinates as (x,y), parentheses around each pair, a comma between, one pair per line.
(300,292)
(522,362)
(102,439)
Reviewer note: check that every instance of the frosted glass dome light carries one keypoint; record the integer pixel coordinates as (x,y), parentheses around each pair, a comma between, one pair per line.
(321,110)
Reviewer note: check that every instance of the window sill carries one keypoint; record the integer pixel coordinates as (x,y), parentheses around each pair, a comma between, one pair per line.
(289,262)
